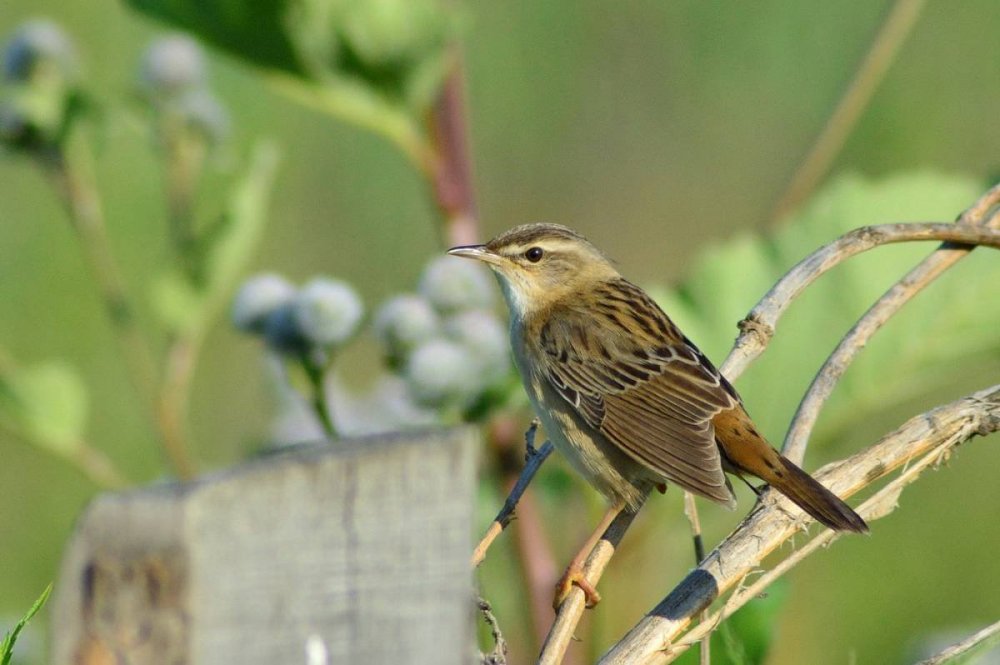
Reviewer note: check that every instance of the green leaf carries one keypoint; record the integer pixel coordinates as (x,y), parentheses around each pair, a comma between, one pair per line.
(176,301)
(47,403)
(231,245)
(933,343)
(250,30)
(7,645)
(375,63)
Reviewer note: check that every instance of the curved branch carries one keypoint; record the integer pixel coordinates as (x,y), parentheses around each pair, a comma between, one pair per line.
(957,653)
(927,438)
(757,328)
(757,331)
(932,267)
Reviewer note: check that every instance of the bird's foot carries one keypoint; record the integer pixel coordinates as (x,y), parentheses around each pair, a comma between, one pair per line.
(574,577)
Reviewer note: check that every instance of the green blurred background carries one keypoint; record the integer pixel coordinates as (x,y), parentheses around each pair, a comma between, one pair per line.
(656,129)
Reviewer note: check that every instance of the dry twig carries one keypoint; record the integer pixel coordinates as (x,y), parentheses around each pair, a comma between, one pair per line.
(947,255)
(983,639)
(891,35)
(498,655)
(757,329)
(921,442)
(533,459)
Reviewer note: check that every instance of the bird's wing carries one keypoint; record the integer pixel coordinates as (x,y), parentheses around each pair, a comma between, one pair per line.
(631,374)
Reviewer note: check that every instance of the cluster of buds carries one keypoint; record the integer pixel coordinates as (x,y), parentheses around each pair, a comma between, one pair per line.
(40,90)
(172,80)
(306,322)
(445,346)
(446,340)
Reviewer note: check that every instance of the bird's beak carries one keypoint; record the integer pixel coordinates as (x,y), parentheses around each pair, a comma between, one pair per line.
(477,252)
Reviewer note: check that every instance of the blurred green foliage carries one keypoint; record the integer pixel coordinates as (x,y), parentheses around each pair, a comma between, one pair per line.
(653,128)
(10,638)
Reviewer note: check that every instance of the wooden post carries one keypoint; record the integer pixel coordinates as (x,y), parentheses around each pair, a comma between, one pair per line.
(355,552)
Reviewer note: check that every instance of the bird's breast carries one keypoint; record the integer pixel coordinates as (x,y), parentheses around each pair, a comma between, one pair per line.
(606,468)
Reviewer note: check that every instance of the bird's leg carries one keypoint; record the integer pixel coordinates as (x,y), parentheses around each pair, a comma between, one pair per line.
(574,572)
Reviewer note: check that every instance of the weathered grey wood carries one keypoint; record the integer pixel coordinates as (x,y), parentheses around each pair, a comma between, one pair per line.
(359,551)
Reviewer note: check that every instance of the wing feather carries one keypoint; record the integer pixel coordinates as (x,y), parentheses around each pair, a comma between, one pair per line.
(631,374)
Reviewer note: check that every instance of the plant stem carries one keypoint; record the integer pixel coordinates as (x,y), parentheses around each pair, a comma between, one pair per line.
(892,33)
(69,167)
(315,372)
(452,176)
(184,157)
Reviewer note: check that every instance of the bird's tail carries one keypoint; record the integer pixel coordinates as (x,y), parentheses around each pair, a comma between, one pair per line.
(744,450)
(825,506)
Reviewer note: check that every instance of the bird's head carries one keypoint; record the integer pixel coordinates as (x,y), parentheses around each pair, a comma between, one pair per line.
(537,264)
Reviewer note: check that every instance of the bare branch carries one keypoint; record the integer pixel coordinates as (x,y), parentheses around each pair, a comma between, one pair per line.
(498,655)
(918,443)
(757,328)
(533,459)
(877,315)
(891,35)
(983,639)
(572,607)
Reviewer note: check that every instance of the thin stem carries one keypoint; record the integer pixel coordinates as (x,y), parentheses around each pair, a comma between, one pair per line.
(533,460)
(69,168)
(893,32)
(928,270)
(498,655)
(453,177)
(977,642)
(691,511)
(534,553)
(97,467)
(757,328)
(184,158)
(315,372)
(571,610)
(93,463)
(370,113)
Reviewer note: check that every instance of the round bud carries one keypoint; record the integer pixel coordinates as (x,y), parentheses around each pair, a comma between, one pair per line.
(483,334)
(202,112)
(37,44)
(282,333)
(452,284)
(171,66)
(328,311)
(404,322)
(441,372)
(257,299)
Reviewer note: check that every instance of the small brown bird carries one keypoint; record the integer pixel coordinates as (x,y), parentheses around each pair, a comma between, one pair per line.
(629,400)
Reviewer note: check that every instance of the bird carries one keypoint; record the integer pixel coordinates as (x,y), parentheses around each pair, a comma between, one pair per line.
(622,393)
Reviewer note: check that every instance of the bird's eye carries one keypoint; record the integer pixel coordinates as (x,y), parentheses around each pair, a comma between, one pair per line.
(534,254)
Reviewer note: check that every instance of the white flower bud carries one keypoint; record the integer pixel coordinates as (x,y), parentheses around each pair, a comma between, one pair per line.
(202,112)
(172,66)
(483,334)
(328,311)
(440,372)
(257,299)
(404,322)
(452,284)
(35,44)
